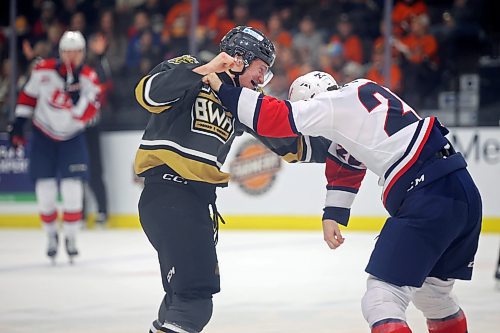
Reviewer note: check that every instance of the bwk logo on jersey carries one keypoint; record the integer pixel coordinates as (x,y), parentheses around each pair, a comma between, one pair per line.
(210,118)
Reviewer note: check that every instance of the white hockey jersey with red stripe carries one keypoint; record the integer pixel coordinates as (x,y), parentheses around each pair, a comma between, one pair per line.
(45,99)
(370,122)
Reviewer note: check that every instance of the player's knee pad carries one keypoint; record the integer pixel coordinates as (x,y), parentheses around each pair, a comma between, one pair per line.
(46,197)
(435,299)
(187,315)
(383,301)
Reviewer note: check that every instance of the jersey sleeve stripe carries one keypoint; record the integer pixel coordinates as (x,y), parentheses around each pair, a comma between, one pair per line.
(342,188)
(307,148)
(247,100)
(24,111)
(147,90)
(335,198)
(275,118)
(27,100)
(140,93)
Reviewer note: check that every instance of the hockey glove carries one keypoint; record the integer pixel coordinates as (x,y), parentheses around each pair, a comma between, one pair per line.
(16,132)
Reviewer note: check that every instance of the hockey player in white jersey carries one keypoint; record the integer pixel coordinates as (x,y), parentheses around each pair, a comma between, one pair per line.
(60,97)
(431,236)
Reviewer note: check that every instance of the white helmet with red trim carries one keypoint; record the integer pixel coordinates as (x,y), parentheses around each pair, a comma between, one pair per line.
(310,84)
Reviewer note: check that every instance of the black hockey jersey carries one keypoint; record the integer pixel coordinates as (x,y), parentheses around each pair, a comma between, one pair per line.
(191,132)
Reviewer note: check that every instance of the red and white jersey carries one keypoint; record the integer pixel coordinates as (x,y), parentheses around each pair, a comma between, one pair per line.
(370,122)
(45,99)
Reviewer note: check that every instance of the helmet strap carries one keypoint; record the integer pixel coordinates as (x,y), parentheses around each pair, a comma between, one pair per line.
(236,75)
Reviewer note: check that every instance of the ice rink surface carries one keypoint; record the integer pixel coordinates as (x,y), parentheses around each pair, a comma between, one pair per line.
(271,282)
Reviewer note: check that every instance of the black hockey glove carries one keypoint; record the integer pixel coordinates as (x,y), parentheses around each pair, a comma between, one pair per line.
(16,132)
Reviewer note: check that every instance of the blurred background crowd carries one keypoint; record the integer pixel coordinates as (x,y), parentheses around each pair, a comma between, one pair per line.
(439,47)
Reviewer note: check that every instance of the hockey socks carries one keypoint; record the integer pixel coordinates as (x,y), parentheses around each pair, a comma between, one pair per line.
(390,326)
(455,323)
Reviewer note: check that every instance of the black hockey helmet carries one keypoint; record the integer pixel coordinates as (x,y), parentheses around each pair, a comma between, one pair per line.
(249,43)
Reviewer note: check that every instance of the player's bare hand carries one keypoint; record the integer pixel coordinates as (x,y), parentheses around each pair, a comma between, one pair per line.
(331,234)
(213,80)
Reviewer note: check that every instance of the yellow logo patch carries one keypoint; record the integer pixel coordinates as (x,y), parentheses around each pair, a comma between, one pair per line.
(184,59)
(209,117)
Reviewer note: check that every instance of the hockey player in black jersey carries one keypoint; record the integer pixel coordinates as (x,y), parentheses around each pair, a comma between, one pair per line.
(181,152)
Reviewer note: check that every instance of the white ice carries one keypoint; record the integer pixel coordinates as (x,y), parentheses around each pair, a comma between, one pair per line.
(271,282)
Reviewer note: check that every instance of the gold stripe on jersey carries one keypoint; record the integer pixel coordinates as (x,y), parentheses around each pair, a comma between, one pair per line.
(295,157)
(209,96)
(184,166)
(139,95)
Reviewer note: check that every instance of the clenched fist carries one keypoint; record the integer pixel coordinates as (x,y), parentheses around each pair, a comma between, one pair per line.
(213,80)
(221,63)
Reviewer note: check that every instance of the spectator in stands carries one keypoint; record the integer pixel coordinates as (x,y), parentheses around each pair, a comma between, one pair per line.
(332,60)
(143,43)
(278,86)
(155,10)
(276,33)
(5,77)
(22,29)
(116,42)
(308,42)
(376,71)
(41,49)
(351,43)
(54,33)
(150,51)
(352,71)
(218,23)
(380,41)
(175,32)
(96,58)
(288,64)
(71,7)
(46,19)
(403,13)
(419,49)
(241,16)
(78,22)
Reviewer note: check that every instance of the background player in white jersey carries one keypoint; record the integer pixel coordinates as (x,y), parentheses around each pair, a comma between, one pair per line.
(431,237)
(60,97)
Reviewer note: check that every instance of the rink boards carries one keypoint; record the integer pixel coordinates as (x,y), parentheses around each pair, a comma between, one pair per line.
(267,193)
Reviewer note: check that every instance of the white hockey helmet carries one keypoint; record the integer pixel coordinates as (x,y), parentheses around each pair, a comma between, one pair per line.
(310,84)
(72,41)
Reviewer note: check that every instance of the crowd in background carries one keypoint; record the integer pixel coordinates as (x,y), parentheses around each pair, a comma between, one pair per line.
(434,42)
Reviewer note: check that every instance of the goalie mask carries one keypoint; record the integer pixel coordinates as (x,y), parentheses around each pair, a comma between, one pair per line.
(309,85)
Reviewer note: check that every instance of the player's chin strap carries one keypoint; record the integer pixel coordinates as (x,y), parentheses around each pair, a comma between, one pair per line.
(236,77)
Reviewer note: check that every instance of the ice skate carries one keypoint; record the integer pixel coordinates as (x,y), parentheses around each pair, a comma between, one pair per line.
(100,220)
(52,247)
(71,249)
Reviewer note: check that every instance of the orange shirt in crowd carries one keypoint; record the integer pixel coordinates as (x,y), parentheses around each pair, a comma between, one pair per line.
(182,12)
(353,49)
(219,25)
(283,38)
(379,44)
(403,12)
(421,48)
(376,75)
